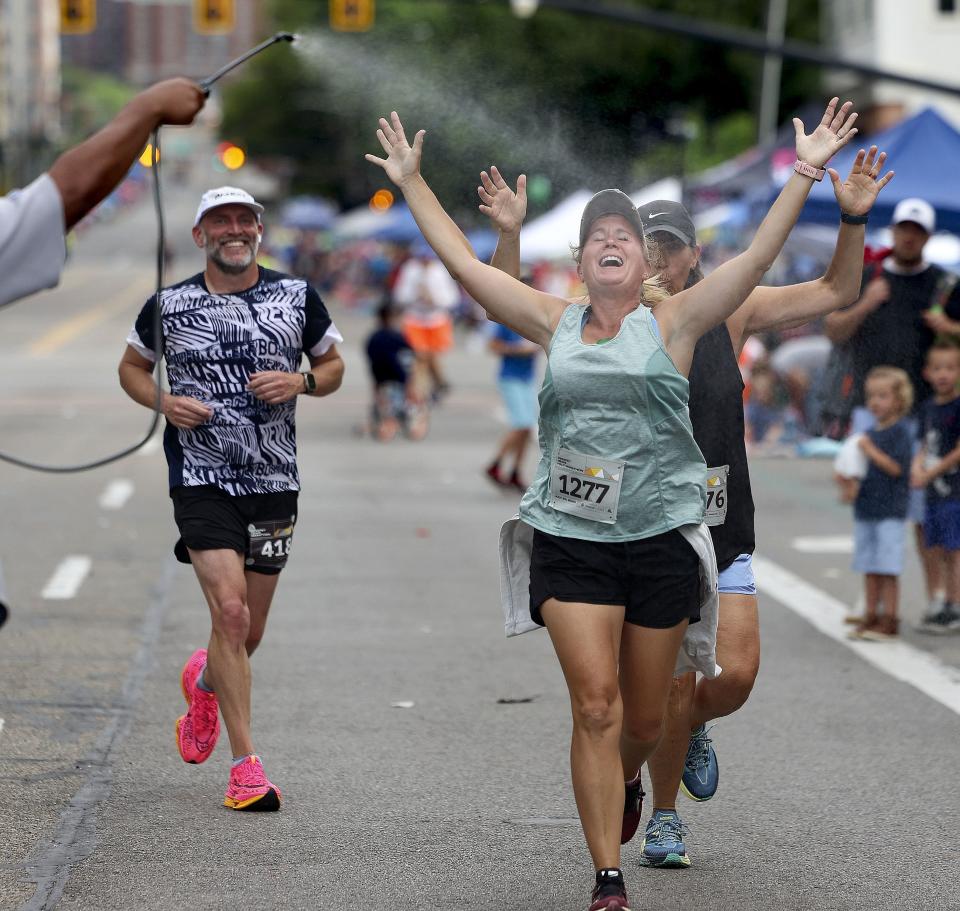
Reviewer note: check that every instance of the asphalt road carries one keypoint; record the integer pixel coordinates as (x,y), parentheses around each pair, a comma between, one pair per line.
(407,783)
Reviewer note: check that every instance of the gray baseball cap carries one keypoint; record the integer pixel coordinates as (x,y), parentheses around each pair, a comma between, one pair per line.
(609,202)
(671,217)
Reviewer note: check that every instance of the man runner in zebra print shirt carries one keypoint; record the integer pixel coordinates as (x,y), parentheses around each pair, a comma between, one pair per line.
(233,337)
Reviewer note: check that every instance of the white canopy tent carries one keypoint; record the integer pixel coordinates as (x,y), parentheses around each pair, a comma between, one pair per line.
(553,234)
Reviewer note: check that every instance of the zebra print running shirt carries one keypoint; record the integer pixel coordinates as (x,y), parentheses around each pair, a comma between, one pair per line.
(212,343)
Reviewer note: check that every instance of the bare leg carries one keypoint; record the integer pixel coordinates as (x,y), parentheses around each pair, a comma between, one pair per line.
(260,592)
(521,440)
(871,590)
(738,653)
(647,661)
(889,591)
(692,704)
(933,567)
(666,764)
(950,560)
(586,638)
(224,585)
(436,372)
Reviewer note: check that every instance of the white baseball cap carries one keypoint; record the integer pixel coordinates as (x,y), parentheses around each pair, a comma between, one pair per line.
(918,211)
(225,196)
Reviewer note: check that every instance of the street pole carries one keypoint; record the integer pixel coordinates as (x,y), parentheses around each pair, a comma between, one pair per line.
(772,68)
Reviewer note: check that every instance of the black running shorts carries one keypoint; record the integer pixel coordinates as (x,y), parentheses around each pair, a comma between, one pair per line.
(657,579)
(258,526)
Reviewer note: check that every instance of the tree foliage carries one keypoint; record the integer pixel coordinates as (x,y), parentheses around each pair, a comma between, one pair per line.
(582,101)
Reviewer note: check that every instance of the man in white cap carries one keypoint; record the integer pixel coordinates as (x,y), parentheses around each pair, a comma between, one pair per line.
(233,337)
(905,303)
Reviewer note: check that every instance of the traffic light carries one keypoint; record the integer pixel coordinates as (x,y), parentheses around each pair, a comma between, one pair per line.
(78,17)
(352,15)
(213,17)
(231,156)
(381,200)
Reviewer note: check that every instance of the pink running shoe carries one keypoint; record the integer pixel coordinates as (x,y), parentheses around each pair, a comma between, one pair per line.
(250,789)
(198,730)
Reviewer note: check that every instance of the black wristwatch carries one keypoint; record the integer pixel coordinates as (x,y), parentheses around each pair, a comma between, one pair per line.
(849,219)
(309,382)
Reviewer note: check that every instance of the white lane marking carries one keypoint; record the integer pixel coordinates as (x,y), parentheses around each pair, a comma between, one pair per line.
(1,725)
(825,544)
(116,494)
(911,665)
(67,578)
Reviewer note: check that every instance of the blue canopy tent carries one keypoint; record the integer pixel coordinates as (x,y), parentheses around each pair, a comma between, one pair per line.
(924,151)
(400,226)
(309,213)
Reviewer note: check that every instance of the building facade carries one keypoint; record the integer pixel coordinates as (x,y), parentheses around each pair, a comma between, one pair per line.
(916,37)
(29,83)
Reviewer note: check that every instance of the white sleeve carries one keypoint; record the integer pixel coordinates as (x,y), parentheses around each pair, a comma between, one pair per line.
(406,292)
(32,241)
(444,291)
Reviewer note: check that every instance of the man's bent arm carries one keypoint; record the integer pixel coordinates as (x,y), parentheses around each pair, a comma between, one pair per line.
(327,370)
(85,174)
(136,378)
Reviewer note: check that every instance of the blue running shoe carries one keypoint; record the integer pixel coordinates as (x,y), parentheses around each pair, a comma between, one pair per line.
(701,773)
(663,842)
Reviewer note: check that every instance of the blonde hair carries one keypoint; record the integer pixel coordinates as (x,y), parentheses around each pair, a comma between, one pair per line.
(653,289)
(902,387)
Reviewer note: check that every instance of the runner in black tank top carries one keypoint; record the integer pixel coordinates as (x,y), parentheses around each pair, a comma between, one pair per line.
(716,412)
(685,757)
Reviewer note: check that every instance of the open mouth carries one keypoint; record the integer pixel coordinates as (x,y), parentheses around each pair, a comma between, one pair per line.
(611,261)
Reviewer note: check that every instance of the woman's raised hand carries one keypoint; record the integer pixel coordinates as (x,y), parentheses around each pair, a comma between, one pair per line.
(857,194)
(835,130)
(500,204)
(403,160)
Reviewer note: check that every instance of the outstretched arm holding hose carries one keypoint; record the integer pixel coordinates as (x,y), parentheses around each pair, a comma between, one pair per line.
(85,174)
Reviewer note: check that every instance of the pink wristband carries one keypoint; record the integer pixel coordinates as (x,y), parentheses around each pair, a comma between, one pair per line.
(808,170)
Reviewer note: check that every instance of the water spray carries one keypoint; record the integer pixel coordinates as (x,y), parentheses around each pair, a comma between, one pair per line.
(233,64)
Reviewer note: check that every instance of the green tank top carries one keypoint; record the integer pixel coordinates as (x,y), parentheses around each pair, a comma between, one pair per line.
(625,402)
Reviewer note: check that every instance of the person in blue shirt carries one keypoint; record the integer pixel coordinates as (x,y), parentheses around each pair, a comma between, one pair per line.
(880,506)
(936,467)
(517,383)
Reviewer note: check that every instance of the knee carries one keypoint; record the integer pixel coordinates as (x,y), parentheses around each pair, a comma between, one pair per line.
(739,681)
(643,729)
(232,619)
(598,711)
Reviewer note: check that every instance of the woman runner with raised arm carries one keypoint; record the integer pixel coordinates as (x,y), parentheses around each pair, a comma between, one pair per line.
(617,505)
(685,756)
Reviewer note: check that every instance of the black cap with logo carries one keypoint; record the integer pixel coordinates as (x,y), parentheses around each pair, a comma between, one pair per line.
(671,217)
(609,202)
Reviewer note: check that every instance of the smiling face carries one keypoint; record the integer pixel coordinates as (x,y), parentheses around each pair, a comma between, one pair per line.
(230,236)
(613,255)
